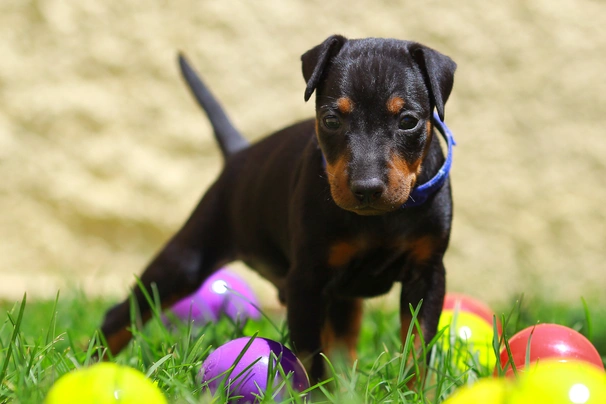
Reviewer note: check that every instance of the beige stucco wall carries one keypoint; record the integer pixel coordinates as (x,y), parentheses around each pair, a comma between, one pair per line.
(103,153)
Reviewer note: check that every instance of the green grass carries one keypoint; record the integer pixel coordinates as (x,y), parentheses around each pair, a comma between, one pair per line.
(43,340)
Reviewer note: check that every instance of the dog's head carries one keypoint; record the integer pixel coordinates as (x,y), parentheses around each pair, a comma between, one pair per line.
(374,103)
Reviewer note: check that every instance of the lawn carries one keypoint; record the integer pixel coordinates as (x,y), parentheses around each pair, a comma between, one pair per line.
(42,340)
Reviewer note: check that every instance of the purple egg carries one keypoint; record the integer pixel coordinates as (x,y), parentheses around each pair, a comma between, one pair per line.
(252,381)
(222,293)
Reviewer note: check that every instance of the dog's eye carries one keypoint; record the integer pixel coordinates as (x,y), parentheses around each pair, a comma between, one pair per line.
(408,122)
(332,122)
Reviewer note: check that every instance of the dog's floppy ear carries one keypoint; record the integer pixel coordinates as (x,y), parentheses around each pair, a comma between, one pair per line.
(439,70)
(316,59)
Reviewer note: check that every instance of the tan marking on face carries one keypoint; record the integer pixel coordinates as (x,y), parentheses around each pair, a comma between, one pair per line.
(317,127)
(395,105)
(400,168)
(345,105)
(418,164)
(401,179)
(338,178)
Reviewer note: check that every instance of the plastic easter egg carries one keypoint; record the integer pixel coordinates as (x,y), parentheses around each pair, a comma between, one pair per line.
(224,292)
(484,391)
(250,375)
(469,338)
(464,303)
(555,382)
(105,383)
(549,341)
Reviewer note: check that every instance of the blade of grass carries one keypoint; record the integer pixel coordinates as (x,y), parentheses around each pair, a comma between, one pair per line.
(527,358)
(496,341)
(53,321)
(502,367)
(589,333)
(195,351)
(156,365)
(16,328)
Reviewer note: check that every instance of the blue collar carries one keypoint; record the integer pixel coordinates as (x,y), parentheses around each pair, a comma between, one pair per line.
(421,193)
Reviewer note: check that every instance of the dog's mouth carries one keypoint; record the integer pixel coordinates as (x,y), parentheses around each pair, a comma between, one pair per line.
(374,209)
(390,201)
(368,210)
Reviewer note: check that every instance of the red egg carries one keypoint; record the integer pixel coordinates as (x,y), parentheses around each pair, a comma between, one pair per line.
(464,303)
(549,341)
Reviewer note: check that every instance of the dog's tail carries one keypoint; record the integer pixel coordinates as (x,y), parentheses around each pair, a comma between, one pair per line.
(229,138)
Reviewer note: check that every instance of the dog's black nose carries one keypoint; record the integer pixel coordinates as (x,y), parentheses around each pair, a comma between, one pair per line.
(367,190)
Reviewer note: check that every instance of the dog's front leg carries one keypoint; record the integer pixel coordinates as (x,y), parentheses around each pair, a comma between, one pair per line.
(424,281)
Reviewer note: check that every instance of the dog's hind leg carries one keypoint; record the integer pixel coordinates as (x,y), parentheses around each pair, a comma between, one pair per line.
(198,249)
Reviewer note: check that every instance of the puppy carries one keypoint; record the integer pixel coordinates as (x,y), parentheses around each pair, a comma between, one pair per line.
(330,210)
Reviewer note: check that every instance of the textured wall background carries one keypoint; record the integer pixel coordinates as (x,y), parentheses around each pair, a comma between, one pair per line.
(103,153)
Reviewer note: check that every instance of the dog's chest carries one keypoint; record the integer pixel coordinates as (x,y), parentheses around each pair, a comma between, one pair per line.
(364,267)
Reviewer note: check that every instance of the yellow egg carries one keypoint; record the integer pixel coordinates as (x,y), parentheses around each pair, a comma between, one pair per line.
(555,382)
(105,383)
(469,337)
(484,391)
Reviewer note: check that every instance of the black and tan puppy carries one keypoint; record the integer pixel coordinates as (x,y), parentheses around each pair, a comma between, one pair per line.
(330,210)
